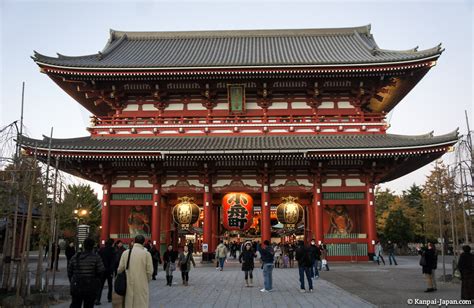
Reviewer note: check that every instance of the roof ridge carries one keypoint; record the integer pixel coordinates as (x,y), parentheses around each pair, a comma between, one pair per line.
(115,34)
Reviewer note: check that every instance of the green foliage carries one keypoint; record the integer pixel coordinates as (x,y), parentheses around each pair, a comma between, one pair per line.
(398,228)
(413,197)
(79,197)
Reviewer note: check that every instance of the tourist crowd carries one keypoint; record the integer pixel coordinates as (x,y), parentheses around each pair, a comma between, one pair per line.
(89,269)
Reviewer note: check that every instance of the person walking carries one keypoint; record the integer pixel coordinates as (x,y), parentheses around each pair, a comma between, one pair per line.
(156,258)
(84,272)
(185,259)
(56,250)
(169,265)
(315,254)
(268,255)
(221,254)
(107,254)
(119,249)
(391,252)
(324,257)
(139,274)
(379,252)
(246,257)
(466,267)
(303,256)
(428,262)
(70,252)
(291,254)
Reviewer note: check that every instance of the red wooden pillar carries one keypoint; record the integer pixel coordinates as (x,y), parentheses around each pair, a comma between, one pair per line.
(105,232)
(215,228)
(207,227)
(370,212)
(317,213)
(155,216)
(266,206)
(167,228)
(309,223)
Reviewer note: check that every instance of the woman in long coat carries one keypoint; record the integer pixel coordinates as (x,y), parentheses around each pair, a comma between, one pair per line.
(466,267)
(185,259)
(246,258)
(138,275)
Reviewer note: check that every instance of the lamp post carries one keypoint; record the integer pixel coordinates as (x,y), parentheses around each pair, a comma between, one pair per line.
(82,230)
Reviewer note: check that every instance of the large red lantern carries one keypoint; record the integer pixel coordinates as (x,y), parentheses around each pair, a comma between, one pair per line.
(238,211)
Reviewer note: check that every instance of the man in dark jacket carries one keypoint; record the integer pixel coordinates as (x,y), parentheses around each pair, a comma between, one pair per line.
(303,256)
(428,263)
(119,249)
(84,272)
(155,258)
(466,267)
(391,252)
(70,252)
(107,254)
(267,254)
(315,257)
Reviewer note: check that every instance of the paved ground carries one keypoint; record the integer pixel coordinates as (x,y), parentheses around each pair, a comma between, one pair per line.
(390,286)
(346,285)
(209,287)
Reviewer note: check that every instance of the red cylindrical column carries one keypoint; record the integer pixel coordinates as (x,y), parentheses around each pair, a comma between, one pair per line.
(266,232)
(155,216)
(317,213)
(167,223)
(370,212)
(215,227)
(105,232)
(207,227)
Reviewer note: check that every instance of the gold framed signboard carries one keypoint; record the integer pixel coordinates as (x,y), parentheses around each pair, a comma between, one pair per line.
(236,98)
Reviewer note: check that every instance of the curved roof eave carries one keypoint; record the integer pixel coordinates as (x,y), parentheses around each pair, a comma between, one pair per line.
(237,67)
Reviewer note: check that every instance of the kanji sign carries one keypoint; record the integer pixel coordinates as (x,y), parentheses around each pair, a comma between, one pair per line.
(237,211)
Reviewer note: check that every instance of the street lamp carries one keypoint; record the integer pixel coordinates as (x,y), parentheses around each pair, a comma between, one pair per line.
(82,230)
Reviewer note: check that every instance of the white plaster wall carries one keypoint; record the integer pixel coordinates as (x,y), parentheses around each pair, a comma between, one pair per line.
(332,182)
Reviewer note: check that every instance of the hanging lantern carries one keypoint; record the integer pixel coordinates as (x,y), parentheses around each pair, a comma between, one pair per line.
(237,211)
(289,212)
(186,212)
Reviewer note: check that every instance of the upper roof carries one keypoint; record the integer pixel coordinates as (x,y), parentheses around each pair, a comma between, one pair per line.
(243,144)
(239,48)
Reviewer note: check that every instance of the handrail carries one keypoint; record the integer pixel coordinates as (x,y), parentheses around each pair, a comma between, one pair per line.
(137,121)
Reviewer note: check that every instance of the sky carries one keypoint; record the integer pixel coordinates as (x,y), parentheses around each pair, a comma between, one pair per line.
(74,28)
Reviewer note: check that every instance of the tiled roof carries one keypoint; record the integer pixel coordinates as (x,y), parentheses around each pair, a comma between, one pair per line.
(239,48)
(243,144)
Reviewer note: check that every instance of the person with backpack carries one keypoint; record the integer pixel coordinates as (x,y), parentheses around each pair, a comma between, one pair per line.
(246,257)
(140,269)
(85,272)
(221,254)
(185,259)
(303,256)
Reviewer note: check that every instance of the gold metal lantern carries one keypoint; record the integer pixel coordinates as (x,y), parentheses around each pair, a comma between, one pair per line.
(186,212)
(289,212)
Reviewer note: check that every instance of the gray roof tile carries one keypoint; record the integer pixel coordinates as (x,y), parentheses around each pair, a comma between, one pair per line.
(254,48)
(244,143)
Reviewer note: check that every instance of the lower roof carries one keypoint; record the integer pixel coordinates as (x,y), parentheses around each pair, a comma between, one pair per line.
(242,144)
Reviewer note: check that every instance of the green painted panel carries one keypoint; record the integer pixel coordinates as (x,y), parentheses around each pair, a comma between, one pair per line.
(343,196)
(132,197)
